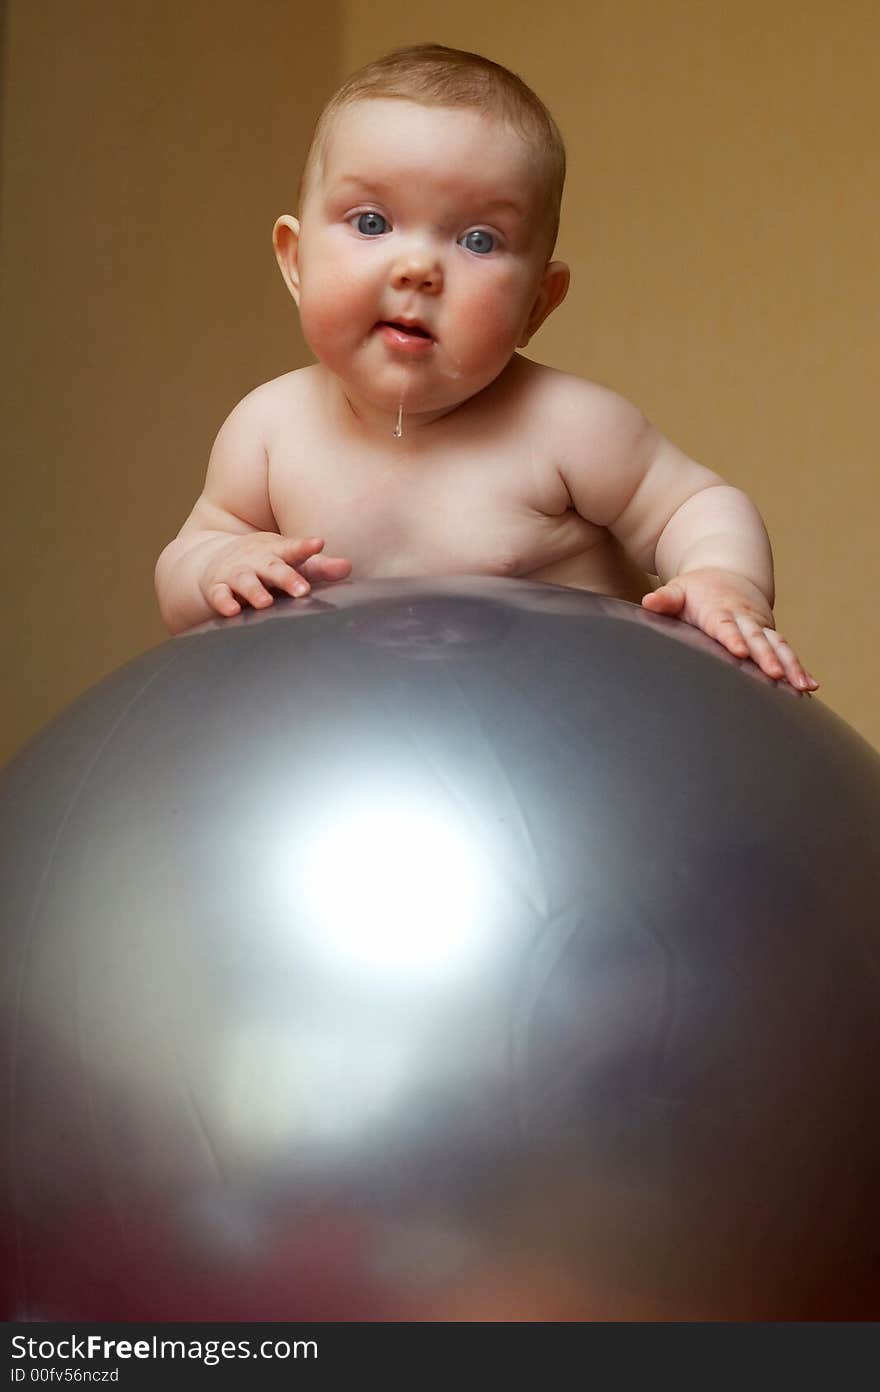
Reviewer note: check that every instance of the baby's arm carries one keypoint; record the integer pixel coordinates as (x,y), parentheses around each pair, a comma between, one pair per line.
(703,538)
(229,550)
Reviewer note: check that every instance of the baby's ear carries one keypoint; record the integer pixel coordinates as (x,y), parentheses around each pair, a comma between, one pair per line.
(285,239)
(551,292)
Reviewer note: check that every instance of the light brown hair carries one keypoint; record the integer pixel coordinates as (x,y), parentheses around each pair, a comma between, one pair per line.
(433,75)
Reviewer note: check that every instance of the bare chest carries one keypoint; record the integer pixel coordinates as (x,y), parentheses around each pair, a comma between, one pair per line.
(468,510)
(418,514)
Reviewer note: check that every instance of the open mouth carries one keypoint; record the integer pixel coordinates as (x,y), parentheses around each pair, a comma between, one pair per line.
(414,330)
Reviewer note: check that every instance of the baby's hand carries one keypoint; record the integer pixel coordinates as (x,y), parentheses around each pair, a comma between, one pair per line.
(240,571)
(735,612)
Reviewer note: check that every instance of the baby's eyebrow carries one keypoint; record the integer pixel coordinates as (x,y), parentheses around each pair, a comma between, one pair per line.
(350,184)
(356,182)
(508,205)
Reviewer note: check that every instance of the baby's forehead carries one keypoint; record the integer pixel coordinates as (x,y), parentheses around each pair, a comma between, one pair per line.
(468,150)
(382,130)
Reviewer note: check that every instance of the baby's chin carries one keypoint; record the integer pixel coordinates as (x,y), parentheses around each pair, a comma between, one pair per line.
(424,394)
(420,402)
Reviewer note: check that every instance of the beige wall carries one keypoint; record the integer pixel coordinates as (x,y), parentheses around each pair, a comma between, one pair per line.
(149,146)
(721,220)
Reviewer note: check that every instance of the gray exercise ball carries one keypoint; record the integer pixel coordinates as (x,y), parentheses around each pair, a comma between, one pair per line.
(442,949)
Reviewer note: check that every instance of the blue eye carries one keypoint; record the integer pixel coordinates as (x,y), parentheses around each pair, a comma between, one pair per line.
(371,224)
(479,240)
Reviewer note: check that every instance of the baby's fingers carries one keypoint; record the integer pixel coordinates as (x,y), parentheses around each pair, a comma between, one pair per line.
(281,576)
(761,651)
(770,651)
(723,627)
(668,599)
(295,550)
(246,584)
(221,598)
(795,672)
(326,568)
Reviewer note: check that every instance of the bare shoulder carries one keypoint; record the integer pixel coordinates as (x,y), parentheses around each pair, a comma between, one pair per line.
(597,439)
(248,431)
(269,405)
(235,494)
(580,412)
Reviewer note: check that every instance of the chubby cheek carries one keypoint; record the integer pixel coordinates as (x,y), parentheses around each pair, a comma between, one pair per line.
(488,326)
(336,311)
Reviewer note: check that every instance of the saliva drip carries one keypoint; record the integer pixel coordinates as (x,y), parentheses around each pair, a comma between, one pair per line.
(398,429)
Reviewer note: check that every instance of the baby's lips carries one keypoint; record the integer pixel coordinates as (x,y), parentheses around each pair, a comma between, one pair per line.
(416,327)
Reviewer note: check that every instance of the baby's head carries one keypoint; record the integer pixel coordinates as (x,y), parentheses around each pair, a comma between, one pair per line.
(430,200)
(449,79)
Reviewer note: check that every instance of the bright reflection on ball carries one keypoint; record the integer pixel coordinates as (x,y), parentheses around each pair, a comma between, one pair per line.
(388,883)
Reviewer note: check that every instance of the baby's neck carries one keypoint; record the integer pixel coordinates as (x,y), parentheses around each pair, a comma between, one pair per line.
(377,426)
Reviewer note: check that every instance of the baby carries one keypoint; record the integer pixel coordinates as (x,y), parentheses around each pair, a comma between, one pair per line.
(421,442)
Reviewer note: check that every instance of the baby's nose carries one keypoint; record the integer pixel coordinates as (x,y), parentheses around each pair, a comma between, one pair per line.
(417,270)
